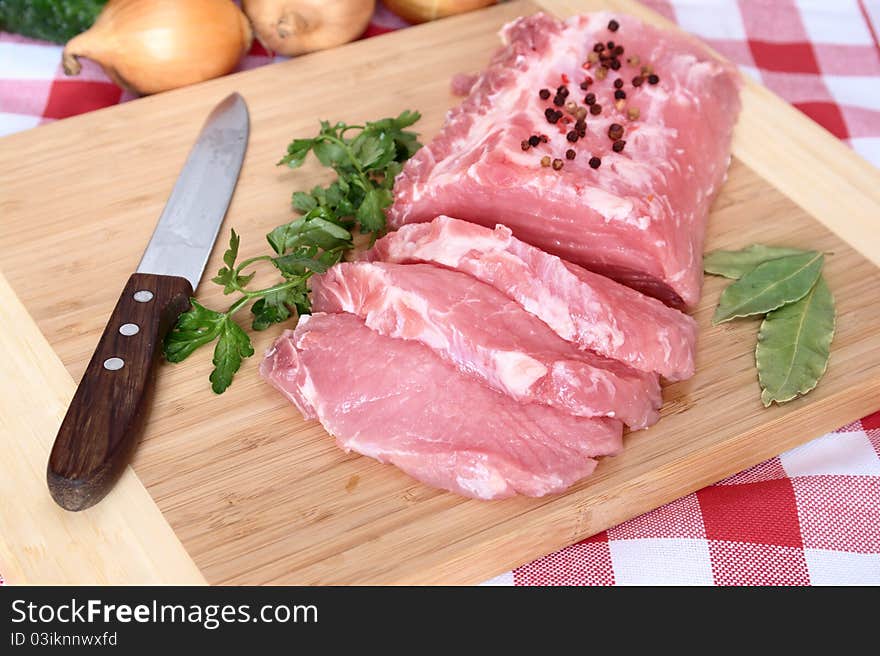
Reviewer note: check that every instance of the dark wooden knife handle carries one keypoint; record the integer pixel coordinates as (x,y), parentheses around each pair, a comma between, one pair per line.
(105,419)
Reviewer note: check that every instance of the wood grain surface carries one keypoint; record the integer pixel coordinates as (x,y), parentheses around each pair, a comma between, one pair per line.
(256,494)
(123,541)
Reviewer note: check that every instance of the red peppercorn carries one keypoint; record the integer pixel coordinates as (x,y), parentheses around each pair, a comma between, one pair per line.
(618,145)
(544,94)
(524,144)
(653,79)
(596,109)
(570,154)
(543,138)
(613,25)
(595,162)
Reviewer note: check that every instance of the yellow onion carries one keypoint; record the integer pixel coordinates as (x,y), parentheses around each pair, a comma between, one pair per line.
(149,46)
(421,11)
(294,27)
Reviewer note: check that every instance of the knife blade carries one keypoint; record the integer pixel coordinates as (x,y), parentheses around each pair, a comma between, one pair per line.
(105,419)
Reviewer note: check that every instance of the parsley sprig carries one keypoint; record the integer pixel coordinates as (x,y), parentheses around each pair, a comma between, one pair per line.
(366,159)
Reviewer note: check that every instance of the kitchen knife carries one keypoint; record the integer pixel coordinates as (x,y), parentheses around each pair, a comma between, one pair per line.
(103,424)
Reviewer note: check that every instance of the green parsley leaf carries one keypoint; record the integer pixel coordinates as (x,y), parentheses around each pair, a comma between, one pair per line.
(272,308)
(370,214)
(232,346)
(297,152)
(195,328)
(304,202)
(308,231)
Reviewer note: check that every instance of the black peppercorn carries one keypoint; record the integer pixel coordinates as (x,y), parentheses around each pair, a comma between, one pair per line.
(637,81)
(620,94)
(590,98)
(562,91)
(615,64)
(544,94)
(557,164)
(524,144)
(572,136)
(596,109)
(534,140)
(570,154)
(595,162)
(653,79)
(615,131)
(558,100)
(618,83)
(599,47)
(618,145)
(613,25)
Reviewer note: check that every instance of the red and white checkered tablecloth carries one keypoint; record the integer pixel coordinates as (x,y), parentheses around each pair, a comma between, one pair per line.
(809,516)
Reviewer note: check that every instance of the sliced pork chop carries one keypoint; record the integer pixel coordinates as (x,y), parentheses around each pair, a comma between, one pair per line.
(580,306)
(396,401)
(636,211)
(489,336)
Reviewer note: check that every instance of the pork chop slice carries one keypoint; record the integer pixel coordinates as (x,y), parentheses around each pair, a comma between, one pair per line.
(583,307)
(489,336)
(398,402)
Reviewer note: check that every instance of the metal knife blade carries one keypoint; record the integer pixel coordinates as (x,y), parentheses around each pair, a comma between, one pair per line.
(184,237)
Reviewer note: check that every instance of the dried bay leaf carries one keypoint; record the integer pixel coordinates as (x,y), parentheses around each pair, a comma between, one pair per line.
(736,264)
(794,344)
(769,286)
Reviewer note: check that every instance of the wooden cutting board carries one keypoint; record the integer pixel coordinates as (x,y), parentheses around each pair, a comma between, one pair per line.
(257,495)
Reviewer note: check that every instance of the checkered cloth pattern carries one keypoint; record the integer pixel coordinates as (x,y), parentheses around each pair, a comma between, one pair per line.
(809,516)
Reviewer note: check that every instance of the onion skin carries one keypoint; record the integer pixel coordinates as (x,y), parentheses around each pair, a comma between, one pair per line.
(149,46)
(295,27)
(422,11)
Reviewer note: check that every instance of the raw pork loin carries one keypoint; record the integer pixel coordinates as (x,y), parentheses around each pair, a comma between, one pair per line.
(396,401)
(640,216)
(489,336)
(582,307)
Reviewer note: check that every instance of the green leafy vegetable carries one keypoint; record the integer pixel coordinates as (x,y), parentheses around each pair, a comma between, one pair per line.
(232,346)
(769,286)
(736,264)
(785,284)
(366,159)
(794,345)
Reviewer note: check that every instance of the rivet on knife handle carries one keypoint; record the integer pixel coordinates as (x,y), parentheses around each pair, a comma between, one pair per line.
(107,414)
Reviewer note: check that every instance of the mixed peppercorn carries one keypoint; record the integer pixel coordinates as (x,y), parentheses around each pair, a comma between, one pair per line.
(570,117)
